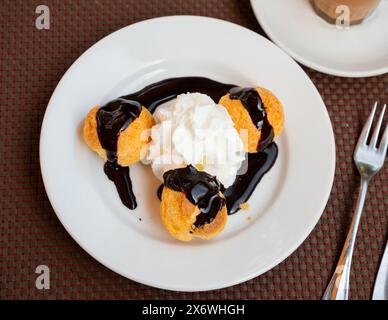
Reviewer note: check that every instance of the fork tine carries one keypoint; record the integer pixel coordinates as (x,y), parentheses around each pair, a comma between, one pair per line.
(365,131)
(373,141)
(384,142)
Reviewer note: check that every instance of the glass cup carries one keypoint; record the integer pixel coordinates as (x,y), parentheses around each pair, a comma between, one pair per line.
(353,10)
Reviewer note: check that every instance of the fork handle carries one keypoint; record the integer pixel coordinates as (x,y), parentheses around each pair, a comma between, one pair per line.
(338,288)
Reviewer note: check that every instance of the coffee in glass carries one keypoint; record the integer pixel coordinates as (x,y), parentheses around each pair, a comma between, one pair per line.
(358,10)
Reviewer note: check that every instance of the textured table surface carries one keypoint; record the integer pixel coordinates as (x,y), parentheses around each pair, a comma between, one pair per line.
(32,62)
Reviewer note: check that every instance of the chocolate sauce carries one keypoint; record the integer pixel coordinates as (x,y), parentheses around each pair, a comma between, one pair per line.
(258,164)
(160,92)
(113,118)
(160,191)
(252,102)
(200,188)
(122,180)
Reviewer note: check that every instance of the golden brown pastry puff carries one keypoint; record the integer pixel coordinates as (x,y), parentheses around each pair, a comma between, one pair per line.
(256,110)
(125,118)
(192,204)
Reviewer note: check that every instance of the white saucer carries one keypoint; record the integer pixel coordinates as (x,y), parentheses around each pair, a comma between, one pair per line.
(284,207)
(360,51)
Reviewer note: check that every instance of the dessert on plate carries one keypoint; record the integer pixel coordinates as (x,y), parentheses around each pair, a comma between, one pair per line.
(209,144)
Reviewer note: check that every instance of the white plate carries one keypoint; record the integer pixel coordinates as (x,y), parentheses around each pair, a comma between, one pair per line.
(284,208)
(360,51)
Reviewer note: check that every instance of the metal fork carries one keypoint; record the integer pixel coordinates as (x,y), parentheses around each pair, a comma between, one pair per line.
(369,160)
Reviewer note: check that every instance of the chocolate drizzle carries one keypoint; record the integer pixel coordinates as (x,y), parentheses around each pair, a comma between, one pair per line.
(200,188)
(113,118)
(160,191)
(122,180)
(258,164)
(160,92)
(252,102)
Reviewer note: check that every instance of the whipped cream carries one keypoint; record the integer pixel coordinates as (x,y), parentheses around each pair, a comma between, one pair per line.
(193,129)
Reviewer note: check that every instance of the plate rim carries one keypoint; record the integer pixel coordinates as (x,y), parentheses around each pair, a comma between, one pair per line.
(182,287)
(306,62)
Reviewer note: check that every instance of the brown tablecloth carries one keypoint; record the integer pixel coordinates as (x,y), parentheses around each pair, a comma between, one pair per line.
(32,62)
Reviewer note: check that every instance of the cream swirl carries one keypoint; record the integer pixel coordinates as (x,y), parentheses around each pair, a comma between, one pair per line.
(193,129)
